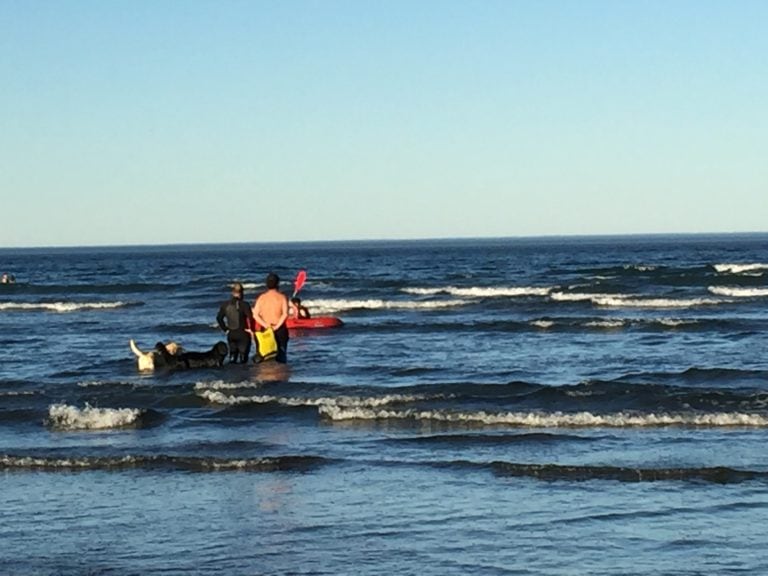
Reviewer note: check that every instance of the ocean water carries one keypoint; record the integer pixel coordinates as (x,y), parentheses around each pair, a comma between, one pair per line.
(548,406)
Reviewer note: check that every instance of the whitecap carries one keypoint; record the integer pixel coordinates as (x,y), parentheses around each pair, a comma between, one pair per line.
(623,302)
(221,385)
(551,419)
(60,307)
(675,322)
(739,268)
(218,397)
(330,306)
(482,291)
(640,267)
(734,292)
(581,296)
(65,417)
(612,323)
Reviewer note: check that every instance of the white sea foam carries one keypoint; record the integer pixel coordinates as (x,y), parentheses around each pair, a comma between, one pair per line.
(330,306)
(91,383)
(675,322)
(608,323)
(96,383)
(622,302)
(739,268)
(60,307)
(424,291)
(632,301)
(551,419)
(53,463)
(734,292)
(627,301)
(221,385)
(640,267)
(581,296)
(67,417)
(481,291)
(218,397)
(18,393)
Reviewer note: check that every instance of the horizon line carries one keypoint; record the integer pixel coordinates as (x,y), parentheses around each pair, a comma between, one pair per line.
(379,240)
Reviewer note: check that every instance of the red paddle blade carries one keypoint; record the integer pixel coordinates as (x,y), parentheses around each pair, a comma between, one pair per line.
(298,284)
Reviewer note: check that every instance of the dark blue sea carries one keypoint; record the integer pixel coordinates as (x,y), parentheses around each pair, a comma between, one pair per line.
(556,406)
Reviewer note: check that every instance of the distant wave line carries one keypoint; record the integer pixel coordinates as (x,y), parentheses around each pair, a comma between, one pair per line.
(632,301)
(163,462)
(482,291)
(329,306)
(553,419)
(60,307)
(736,292)
(739,268)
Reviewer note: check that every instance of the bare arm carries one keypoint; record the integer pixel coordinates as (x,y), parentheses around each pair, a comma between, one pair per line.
(257,315)
(283,313)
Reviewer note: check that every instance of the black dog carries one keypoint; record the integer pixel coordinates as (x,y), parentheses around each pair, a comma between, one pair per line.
(214,358)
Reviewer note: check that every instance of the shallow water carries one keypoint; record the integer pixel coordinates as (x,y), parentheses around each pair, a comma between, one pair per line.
(552,406)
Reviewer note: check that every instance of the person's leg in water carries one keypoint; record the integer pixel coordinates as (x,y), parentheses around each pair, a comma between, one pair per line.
(246,352)
(239,346)
(281,336)
(232,342)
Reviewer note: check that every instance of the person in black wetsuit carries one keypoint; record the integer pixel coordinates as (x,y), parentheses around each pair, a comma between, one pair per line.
(238,316)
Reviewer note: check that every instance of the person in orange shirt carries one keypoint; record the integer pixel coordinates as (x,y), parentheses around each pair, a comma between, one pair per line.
(271,311)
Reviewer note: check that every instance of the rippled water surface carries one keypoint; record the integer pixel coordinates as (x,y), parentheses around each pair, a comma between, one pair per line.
(550,406)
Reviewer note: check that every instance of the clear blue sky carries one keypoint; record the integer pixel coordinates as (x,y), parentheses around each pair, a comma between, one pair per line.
(188,121)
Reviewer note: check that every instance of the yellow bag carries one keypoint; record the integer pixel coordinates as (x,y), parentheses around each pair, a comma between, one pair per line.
(266,344)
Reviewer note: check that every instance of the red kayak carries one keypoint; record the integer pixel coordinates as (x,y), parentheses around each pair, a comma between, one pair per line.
(314,323)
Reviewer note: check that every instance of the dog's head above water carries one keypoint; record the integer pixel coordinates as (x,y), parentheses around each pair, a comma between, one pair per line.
(213,358)
(155,358)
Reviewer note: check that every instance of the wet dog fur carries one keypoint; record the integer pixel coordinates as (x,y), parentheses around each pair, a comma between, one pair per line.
(148,361)
(213,358)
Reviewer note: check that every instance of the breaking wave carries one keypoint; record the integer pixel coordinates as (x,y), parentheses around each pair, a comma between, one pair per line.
(609,323)
(640,267)
(656,302)
(733,292)
(612,323)
(221,385)
(330,306)
(481,292)
(553,419)
(578,296)
(60,307)
(739,268)
(65,417)
(217,397)
(628,301)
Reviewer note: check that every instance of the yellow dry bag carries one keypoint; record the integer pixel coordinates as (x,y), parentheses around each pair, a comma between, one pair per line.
(266,344)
